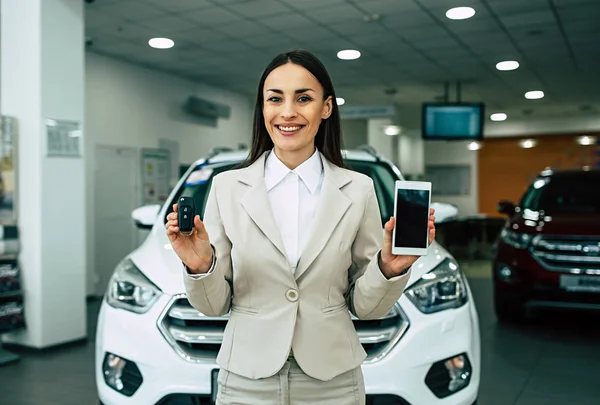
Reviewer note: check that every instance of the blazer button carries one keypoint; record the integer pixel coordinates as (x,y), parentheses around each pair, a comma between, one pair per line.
(291,295)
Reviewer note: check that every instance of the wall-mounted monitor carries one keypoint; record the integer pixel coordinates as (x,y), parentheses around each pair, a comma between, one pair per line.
(460,121)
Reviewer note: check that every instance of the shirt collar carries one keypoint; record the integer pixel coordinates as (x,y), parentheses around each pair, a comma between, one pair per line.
(310,171)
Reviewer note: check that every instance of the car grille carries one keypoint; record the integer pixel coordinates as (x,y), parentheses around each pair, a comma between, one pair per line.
(574,255)
(197,337)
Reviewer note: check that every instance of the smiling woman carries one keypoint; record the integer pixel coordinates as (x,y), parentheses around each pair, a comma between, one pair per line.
(295,105)
(291,245)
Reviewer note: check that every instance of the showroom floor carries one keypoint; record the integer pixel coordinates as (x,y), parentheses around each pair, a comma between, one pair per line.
(551,360)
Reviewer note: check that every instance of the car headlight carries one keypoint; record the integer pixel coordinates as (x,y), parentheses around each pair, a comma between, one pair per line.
(515,239)
(442,288)
(129,289)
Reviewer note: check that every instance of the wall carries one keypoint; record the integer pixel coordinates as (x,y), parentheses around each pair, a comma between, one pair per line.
(354,133)
(135,107)
(455,153)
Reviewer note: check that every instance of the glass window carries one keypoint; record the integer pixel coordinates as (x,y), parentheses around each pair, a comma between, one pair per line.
(577,194)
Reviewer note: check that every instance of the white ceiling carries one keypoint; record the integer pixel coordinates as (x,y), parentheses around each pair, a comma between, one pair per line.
(412,47)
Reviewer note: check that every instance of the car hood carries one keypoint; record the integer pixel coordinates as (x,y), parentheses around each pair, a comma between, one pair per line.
(559,224)
(155,258)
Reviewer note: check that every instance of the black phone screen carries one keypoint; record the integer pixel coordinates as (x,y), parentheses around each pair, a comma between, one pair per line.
(412,215)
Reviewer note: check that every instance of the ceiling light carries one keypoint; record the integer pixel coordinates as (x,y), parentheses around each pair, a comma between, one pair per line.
(534,95)
(527,143)
(340,101)
(392,130)
(460,13)
(474,146)
(161,43)
(507,65)
(586,140)
(498,117)
(348,54)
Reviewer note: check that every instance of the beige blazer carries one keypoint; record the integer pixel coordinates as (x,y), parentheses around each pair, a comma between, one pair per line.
(275,311)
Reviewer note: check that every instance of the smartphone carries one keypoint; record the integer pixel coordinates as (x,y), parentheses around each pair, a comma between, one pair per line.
(411,209)
(186,210)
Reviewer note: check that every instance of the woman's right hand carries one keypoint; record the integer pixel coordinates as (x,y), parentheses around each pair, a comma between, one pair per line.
(193,250)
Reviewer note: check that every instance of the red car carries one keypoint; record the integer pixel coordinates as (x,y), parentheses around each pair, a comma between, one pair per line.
(548,253)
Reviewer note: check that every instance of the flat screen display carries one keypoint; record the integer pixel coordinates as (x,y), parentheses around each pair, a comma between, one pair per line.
(453,121)
(412,213)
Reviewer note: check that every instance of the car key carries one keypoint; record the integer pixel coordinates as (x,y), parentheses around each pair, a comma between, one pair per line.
(186,211)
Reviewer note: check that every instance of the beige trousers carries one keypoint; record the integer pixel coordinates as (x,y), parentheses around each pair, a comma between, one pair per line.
(291,387)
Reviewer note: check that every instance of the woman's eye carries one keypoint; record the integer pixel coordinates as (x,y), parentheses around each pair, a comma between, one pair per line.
(274,99)
(304,99)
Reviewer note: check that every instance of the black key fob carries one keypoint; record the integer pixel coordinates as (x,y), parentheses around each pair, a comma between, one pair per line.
(186,211)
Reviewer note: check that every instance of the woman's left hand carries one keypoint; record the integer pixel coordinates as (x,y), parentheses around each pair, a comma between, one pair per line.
(393,265)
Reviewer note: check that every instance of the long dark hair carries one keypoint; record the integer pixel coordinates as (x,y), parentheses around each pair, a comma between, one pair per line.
(329,136)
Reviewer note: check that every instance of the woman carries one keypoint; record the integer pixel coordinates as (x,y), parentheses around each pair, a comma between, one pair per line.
(289,244)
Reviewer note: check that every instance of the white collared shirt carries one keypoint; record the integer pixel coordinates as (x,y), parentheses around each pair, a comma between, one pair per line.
(294,195)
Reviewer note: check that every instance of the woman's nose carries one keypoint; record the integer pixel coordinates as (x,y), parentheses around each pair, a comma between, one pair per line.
(289,110)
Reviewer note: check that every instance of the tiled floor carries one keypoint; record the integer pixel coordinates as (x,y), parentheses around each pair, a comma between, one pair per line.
(550,360)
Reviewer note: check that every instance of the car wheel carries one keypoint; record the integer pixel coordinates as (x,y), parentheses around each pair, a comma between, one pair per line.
(508,310)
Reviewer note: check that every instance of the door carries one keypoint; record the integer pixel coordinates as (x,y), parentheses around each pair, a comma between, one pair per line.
(116,194)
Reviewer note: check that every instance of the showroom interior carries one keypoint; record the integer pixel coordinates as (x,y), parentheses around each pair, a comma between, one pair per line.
(111,109)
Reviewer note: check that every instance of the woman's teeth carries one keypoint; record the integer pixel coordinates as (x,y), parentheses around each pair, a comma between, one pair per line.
(289,129)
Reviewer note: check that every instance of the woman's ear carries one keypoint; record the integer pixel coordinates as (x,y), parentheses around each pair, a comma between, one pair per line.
(327,108)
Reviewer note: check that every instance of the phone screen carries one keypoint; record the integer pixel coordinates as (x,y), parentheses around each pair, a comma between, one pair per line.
(412,214)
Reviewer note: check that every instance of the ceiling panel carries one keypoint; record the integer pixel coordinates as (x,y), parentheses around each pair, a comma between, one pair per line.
(336,14)
(167,25)
(287,20)
(200,35)
(244,29)
(386,8)
(353,29)
(212,17)
(528,19)
(308,5)
(178,6)
(131,10)
(97,18)
(259,8)
(505,8)
(416,18)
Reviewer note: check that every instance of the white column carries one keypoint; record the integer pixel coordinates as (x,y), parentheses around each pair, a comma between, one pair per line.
(42,78)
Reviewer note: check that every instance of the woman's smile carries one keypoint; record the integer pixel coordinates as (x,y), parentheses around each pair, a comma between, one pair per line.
(289,129)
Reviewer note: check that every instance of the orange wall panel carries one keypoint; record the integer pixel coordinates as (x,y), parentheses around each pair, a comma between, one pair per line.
(505,169)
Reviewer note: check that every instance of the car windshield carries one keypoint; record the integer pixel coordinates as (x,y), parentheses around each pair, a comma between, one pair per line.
(198,182)
(579,194)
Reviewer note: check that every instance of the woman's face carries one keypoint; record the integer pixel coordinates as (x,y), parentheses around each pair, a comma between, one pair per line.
(293,108)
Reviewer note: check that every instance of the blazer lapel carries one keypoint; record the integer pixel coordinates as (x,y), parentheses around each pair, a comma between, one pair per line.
(256,202)
(332,206)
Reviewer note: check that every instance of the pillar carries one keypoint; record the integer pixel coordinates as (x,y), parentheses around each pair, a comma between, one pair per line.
(42,86)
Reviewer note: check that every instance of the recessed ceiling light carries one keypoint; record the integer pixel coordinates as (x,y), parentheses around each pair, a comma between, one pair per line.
(534,95)
(507,65)
(474,146)
(527,143)
(340,101)
(392,130)
(586,140)
(460,13)
(348,54)
(498,117)
(161,43)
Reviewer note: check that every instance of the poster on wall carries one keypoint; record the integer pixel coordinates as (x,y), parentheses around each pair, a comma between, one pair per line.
(8,154)
(156,168)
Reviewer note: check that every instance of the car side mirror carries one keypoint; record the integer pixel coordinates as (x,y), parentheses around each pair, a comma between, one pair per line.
(444,212)
(145,216)
(506,207)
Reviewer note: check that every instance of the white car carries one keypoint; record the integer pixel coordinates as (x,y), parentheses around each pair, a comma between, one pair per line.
(152,347)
